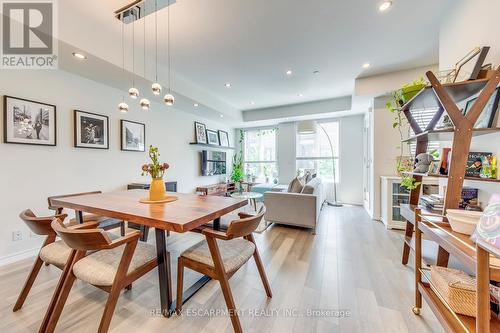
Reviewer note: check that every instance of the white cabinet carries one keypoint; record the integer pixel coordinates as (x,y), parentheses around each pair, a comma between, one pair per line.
(392,195)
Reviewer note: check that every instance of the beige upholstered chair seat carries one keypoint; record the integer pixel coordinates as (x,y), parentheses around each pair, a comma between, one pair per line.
(235,253)
(99,268)
(55,253)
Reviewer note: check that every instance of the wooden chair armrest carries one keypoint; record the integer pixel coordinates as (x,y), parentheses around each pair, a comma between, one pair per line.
(128,238)
(243,215)
(215,234)
(86,225)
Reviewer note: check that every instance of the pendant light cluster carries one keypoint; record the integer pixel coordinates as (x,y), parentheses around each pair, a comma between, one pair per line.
(156,87)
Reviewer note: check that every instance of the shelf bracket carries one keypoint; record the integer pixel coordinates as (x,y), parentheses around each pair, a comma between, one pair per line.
(484,97)
(445,100)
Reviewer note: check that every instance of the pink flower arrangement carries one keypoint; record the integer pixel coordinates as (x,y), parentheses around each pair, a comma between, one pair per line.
(155,169)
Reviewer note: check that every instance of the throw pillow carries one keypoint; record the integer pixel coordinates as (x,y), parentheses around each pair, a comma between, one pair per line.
(296,185)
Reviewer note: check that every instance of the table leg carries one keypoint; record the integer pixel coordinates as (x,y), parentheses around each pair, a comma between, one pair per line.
(164,273)
(78,216)
(217,224)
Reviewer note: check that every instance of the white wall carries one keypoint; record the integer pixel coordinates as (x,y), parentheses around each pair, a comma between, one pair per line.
(287,152)
(31,173)
(470,24)
(467,25)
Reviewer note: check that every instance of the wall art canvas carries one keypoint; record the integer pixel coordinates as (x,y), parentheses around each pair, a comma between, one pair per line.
(486,117)
(91,130)
(200,132)
(224,138)
(213,137)
(29,122)
(133,136)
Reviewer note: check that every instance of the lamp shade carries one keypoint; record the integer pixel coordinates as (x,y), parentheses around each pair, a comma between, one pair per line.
(306,127)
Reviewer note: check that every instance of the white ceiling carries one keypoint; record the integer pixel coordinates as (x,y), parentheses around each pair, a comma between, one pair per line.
(252,43)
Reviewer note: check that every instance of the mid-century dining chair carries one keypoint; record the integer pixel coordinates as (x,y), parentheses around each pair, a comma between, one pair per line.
(113,267)
(221,255)
(105,223)
(52,252)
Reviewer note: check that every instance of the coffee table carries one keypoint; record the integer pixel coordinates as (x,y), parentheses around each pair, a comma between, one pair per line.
(250,196)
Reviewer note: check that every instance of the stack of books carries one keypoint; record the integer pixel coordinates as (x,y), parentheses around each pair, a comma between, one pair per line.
(433,202)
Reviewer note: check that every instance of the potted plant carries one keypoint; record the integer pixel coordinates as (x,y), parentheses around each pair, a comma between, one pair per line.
(409,90)
(237,174)
(156,170)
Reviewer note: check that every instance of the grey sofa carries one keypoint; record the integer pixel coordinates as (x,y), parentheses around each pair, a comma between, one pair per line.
(298,209)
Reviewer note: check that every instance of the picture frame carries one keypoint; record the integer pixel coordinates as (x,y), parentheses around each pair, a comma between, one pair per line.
(200,132)
(91,130)
(133,135)
(487,116)
(223,138)
(29,122)
(213,137)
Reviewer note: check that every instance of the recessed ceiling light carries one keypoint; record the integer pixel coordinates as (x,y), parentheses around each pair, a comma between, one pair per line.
(196,105)
(289,72)
(316,72)
(366,65)
(300,95)
(252,102)
(221,115)
(227,85)
(79,55)
(385,5)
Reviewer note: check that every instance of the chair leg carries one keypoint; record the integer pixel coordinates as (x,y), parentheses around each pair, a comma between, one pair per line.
(109,310)
(59,305)
(180,286)
(28,284)
(224,283)
(260,267)
(228,296)
(122,228)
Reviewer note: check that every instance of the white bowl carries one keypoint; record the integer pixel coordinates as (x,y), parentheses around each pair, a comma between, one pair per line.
(463,225)
(463,215)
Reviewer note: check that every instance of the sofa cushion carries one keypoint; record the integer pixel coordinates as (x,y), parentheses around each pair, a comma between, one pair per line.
(311,186)
(296,185)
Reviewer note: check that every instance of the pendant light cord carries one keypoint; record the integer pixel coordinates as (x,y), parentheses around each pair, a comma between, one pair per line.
(144,38)
(133,51)
(168,48)
(156,41)
(123,55)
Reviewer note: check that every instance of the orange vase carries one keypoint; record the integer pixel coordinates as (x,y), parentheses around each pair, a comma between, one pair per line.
(157,190)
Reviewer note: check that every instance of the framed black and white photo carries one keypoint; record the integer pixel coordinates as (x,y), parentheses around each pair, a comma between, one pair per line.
(223,138)
(212,137)
(486,117)
(200,132)
(91,130)
(29,122)
(133,136)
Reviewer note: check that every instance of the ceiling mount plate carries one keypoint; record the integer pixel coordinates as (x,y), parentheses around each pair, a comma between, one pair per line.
(140,8)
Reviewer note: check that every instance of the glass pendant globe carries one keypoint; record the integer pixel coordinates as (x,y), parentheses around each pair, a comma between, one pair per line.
(145,104)
(156,87)
(123,107)
(169,99)
(133,93)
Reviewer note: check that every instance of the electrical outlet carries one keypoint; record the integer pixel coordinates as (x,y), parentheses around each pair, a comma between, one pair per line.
(17,235)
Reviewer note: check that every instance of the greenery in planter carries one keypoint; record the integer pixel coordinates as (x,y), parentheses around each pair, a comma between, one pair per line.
(399,98)
(238,173)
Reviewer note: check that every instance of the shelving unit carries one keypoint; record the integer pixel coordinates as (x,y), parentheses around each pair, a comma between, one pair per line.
(210,146)
(461,247)
(445,97)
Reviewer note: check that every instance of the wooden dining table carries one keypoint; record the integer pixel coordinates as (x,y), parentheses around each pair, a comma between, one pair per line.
(187,213)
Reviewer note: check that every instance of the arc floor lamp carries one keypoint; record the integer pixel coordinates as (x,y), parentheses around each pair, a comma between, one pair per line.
(310,127)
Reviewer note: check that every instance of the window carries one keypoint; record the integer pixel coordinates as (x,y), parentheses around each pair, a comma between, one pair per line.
(423,117)
(260,154)
(313,151)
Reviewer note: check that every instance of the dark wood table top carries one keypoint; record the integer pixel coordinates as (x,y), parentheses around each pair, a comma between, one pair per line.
(188,212)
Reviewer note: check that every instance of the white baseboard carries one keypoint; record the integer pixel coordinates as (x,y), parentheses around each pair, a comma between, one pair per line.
(11,258)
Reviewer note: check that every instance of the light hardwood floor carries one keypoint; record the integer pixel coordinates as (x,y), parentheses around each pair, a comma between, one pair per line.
(352,264)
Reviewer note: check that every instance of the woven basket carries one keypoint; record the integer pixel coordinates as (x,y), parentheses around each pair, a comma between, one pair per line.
(456,287)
